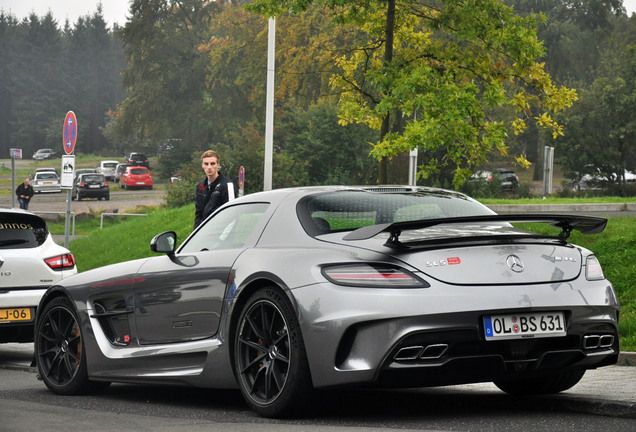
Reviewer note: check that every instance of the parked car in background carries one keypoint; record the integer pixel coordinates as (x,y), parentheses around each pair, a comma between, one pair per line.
(30,261)
(390,286)
(42,154)
(119,170)
(138,159)
(107,167)
(46,181)
(92,185)
(80,171)
(506,178)
(594,179)
(38,170)
(136,177)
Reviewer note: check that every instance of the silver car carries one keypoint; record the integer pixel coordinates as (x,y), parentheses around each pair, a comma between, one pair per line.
(30,261)
(281,292)
(46,181)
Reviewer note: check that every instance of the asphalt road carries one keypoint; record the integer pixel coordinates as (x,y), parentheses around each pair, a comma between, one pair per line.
(120,201)
(592,405)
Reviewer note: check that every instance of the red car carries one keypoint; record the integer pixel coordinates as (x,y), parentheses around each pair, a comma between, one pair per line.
(136,177)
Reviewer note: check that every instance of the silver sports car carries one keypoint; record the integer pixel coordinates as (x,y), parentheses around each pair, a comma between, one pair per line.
(282,292)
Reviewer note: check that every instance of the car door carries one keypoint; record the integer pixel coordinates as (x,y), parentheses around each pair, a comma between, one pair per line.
(179,298)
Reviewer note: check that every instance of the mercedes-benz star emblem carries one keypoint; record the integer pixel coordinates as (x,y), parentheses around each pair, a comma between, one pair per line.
(515,264)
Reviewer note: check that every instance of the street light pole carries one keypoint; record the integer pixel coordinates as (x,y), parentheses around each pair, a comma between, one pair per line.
(269,112)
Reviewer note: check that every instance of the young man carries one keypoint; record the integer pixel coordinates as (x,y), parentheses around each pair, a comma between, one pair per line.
(214,190)
(24,192)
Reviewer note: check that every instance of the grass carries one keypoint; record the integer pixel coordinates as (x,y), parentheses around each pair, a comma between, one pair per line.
(124,239)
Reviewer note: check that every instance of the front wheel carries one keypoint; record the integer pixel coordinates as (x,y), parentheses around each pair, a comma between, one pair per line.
(547,384)
(59,351)
(270,361)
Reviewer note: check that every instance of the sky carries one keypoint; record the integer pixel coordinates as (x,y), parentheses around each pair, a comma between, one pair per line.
(114,11)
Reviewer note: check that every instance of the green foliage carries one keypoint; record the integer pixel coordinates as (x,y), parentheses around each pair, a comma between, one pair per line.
(600,130)
(128,238)
(426,77)
(326,152)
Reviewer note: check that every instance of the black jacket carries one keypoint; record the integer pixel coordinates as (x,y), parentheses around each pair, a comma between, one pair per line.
(24,190)
(210,198)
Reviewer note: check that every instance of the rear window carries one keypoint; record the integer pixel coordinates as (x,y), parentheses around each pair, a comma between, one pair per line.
(350,210)
(109,165)
(139,171)
(21,231)
(47,176)
(93,178)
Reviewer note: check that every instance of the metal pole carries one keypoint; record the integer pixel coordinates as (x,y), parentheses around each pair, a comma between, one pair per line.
(269,112)
(412,167)
(67,222)
(12,182)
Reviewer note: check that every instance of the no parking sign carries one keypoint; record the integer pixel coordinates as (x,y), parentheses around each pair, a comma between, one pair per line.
(70,132)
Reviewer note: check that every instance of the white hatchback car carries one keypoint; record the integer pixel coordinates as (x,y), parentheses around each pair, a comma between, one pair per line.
(107,167)
(30,262)
(46,181)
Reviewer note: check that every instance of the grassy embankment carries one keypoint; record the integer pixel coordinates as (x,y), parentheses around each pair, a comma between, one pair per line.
(126,239)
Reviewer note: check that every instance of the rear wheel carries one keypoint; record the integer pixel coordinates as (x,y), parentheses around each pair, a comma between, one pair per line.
(270,361)
(59,350)
(548,384)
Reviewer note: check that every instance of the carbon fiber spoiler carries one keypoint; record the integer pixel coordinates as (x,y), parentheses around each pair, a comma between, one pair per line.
(567,223)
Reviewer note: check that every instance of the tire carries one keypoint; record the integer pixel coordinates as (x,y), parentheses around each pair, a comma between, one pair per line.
(107,197)
(60,352)
(546,384)
(270,361)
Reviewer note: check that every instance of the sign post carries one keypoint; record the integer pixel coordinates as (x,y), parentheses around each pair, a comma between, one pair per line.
(68,166)
(15,154)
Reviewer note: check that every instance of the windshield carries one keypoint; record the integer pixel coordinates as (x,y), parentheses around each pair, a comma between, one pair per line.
(349,210)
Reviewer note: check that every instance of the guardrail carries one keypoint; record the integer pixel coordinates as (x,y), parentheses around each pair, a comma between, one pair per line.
(101,221)
(59,213)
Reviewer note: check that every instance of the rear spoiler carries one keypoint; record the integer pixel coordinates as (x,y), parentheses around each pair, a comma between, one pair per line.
(567,223)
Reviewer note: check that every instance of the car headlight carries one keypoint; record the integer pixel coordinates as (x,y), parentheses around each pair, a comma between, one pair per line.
(372,276)
(593,270)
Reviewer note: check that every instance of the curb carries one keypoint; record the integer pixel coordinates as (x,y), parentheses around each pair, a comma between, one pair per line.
(626,359)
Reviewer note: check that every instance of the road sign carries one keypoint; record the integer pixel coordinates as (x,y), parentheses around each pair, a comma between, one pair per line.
(15,153)
(68,171)
(241,180)
(70,132)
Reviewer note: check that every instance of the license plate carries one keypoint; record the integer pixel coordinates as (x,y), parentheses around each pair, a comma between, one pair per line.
(93,186)
(141,182)
(15,314)
(47,183)
(522,326)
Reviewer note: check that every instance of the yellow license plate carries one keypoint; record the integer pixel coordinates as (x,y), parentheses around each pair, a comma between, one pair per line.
(15,314)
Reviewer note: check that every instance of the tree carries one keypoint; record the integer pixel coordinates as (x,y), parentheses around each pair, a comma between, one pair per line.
(600,130)
(166,74)
(431,73)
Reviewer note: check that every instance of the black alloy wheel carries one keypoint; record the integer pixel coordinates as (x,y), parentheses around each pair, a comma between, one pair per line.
(59,350)
(270,358)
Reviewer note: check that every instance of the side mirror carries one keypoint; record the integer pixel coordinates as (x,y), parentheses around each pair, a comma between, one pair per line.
(166,242)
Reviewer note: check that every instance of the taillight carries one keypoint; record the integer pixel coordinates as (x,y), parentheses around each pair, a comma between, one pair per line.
(372,276)
(61,262)
(105,183)
(81,184)
(593,269)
